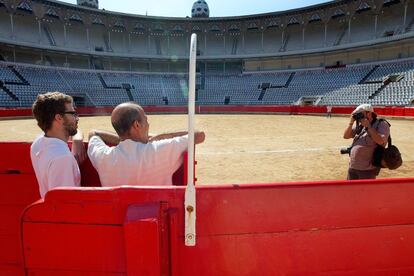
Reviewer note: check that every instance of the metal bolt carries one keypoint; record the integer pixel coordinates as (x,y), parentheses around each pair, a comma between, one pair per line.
(190,208)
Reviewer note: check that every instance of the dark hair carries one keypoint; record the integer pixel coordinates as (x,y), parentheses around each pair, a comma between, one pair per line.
(122,123)
(47,106)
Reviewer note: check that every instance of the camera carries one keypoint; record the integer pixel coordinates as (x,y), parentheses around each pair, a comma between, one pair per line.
(358,116)
(346,150)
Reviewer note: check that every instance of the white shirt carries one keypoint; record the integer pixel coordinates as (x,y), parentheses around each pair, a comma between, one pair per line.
(135,163)
(54,164)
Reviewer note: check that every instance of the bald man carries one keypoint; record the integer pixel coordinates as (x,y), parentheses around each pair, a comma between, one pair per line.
(136,158)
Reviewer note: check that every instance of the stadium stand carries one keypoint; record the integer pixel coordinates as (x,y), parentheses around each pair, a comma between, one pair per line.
(382,84)
(337,53)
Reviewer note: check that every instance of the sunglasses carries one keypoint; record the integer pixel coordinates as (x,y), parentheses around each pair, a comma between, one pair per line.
(73,113)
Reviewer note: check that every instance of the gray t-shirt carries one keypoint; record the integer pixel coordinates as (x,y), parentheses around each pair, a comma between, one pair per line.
(364,146)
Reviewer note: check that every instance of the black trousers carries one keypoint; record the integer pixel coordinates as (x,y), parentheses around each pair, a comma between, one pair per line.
(357,174)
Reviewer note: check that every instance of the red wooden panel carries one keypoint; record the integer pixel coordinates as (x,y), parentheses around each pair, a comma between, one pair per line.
(46,272)
(299,206)
(245,108)
(311,109)
(165,109)
(89,176)
(10,249)
(10,218)
(386,110)
(11,270)
(295,228)
(88,110)
(354,251)
(68,204)
(399,111)
(18,189)
(74,247)
(409,111)
(146,227)
(281,208)
(15,157)
(14,112)
(343,109)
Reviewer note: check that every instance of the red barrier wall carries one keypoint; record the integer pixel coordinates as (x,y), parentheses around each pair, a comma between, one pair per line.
(88,111)
(19,189)
(330,227)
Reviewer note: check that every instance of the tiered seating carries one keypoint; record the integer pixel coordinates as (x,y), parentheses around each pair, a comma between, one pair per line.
(7,75)
(397,93)
(342,86)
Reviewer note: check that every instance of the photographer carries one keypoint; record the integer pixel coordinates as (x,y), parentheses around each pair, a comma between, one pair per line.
(367,132)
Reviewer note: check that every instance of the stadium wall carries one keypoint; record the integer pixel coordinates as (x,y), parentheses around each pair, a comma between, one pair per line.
(259,109)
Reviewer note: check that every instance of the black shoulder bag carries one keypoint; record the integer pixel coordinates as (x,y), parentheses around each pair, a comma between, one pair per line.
(389,157)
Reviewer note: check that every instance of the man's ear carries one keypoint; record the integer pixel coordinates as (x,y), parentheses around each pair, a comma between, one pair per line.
(138,124)
(58,117)
(135,126)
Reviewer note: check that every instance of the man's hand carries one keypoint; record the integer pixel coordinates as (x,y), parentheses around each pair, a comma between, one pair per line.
(348,133)
(199,137)
(351,119)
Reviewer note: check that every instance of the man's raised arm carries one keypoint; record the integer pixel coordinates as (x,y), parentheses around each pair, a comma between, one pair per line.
(199,136)
(108,137)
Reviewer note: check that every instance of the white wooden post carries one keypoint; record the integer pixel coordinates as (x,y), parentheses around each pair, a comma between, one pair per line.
(190,193)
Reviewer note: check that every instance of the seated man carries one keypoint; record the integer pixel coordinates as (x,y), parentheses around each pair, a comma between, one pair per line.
(137,159)
(54,164)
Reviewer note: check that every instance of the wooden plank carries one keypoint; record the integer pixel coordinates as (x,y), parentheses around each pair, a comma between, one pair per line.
(11,270)
(10,219)
(15,157)
(47,272)
(284,208)
(18,189)
(357,251)
(146,228)
(10,250)
(74,247)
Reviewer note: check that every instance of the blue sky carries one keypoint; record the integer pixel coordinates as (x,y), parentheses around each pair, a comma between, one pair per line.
(182,8)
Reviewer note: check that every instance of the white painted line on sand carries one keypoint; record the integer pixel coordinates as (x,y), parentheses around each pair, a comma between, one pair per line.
(269,151)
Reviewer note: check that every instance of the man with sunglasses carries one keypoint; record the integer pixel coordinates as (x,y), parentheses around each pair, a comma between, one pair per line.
(54,164)
(367,132)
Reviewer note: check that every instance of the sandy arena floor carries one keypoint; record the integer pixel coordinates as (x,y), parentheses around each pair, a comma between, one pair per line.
(256,148)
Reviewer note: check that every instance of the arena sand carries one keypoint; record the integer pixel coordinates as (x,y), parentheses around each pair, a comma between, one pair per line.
(256,148)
